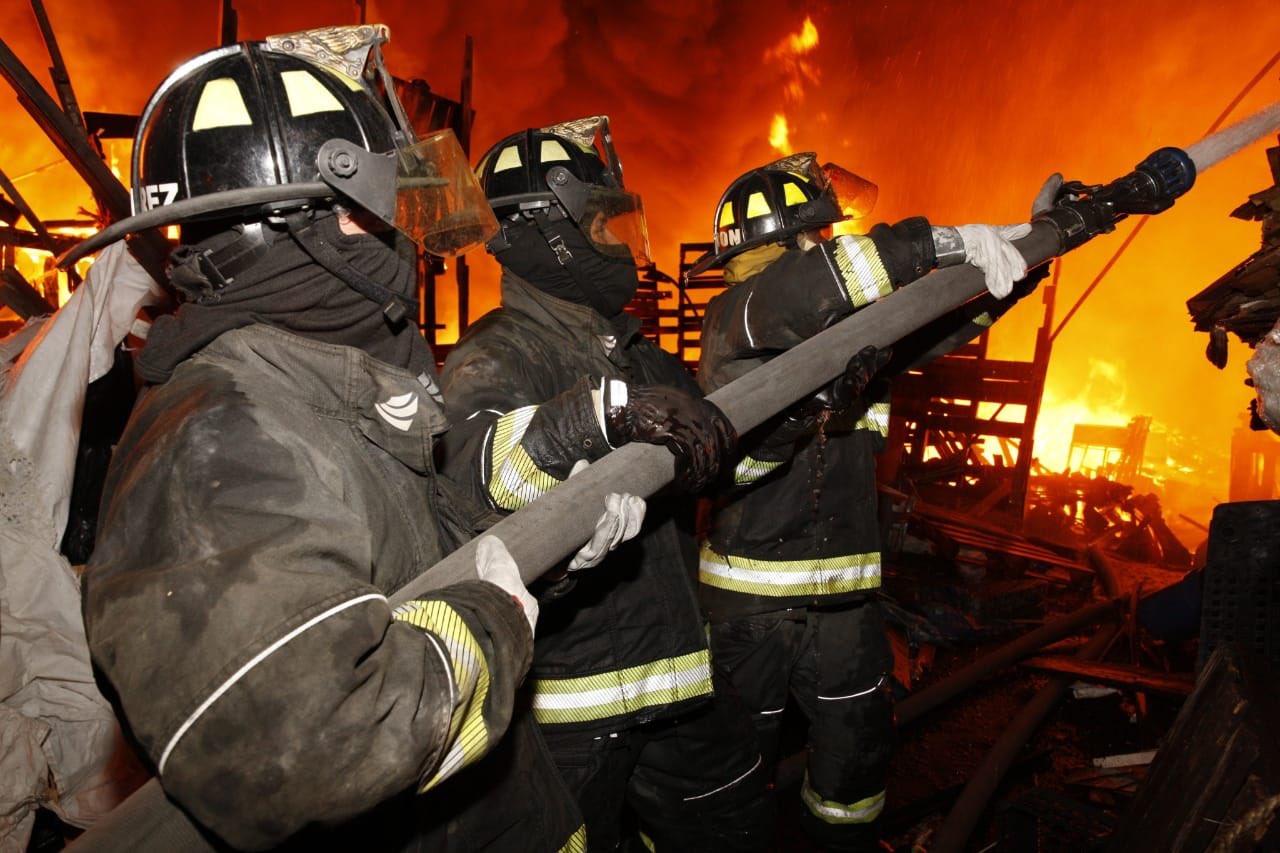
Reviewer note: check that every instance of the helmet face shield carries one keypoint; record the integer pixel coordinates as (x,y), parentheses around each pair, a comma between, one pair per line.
(612,219)
(854,194)
(439,203)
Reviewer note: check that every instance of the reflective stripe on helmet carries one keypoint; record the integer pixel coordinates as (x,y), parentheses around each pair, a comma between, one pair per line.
(786,578)
(625,691)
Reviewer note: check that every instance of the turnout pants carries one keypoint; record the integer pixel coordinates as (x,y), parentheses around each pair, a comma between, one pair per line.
(693,783)
(836,664)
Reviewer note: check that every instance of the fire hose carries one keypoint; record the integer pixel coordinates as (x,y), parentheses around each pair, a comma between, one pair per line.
(549,529)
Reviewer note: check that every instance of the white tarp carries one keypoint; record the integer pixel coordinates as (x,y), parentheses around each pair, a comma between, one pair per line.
(60,745)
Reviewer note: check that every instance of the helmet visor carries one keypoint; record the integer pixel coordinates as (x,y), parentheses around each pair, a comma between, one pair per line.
(439,204)
(613,219)
(854,194)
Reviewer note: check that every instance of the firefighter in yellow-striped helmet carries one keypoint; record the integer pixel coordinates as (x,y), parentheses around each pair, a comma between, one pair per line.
(777,202)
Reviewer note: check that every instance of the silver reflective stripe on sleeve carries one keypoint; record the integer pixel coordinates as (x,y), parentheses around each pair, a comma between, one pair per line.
(875,419)
(749,470)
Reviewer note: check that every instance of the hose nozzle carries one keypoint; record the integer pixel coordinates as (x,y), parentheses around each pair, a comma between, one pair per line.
(1083,211)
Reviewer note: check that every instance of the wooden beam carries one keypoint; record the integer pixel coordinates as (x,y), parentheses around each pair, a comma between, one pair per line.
(1117,674)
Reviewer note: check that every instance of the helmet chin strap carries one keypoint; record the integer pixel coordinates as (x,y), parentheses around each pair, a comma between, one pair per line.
(550,232)
(201,271)
(302,227)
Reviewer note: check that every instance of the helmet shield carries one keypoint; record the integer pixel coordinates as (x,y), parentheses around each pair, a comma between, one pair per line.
(854,194)
(439,203)
(612,218)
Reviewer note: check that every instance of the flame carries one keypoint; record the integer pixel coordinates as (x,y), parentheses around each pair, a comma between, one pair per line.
(945,159)
(780,133)
(790,53)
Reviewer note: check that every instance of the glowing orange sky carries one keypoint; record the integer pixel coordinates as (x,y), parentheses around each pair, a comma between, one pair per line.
(957,111)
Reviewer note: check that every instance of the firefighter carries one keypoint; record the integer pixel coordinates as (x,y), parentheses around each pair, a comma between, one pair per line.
(788,570)
(275,482)
(557,375)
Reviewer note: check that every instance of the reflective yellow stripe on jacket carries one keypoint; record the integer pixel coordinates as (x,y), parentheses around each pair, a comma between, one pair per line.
(624,691)
(468,734)
(749,470)
(515,480)
(875,418)
(787,578)
(861,270)
(577,842)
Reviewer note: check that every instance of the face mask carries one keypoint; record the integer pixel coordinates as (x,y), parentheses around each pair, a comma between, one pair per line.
(604,283)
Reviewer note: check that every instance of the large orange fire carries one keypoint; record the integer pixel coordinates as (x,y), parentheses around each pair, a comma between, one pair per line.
(957,111)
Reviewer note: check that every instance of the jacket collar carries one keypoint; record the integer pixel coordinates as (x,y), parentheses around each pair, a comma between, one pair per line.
(570,318)
(399,412)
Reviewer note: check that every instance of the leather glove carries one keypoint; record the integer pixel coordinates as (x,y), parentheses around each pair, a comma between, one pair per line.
(692,428)
(495,565)
(1047,197)
(848,387)
(623,514)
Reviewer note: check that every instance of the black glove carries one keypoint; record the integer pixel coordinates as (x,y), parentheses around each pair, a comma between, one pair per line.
(692,428)
(846,389)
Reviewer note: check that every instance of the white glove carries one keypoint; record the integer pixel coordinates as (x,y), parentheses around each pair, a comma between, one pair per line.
(623,514)
(495,564)
(988,248)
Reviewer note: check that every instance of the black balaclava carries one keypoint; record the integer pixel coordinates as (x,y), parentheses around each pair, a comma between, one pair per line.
(528,255)
(288,290)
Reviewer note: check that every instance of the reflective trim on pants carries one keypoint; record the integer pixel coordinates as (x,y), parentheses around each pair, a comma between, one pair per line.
(827,811)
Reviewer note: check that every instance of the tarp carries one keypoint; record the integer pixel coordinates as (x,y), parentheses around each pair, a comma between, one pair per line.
(60,744)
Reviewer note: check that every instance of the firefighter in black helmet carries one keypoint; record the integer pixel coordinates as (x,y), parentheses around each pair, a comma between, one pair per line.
(788,572)
(554,378)
(275,482)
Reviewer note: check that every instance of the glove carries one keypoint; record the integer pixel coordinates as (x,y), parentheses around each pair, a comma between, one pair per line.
(988,248)
(1047,197)
(848,387)
(692,428)
(623,514)
(495,565)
